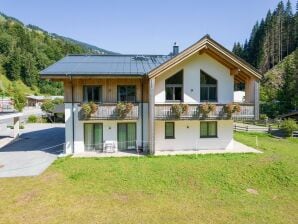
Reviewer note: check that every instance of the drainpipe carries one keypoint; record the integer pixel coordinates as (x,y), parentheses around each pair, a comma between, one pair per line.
(142,114)
(72,110)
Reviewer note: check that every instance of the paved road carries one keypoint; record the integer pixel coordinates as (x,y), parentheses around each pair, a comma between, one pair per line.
(33,152)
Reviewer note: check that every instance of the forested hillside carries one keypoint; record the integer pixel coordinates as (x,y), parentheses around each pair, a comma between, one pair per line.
(272,48)
(25,50)
(271,39)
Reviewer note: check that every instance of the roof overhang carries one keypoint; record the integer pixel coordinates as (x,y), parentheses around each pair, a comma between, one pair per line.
(238,67)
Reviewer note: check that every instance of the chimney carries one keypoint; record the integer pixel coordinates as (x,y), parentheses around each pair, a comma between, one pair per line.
(175,49)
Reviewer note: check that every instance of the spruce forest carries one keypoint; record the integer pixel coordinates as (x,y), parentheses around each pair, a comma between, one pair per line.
(272,49)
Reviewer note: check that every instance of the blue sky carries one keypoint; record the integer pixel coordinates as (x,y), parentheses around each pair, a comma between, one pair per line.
(136,26)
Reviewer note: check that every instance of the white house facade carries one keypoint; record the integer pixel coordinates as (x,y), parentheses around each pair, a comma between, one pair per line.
(183,101)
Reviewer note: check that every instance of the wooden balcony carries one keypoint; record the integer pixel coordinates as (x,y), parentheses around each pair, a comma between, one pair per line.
(164,112)
(108,111)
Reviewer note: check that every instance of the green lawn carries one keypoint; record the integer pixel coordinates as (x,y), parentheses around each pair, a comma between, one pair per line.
(177,189)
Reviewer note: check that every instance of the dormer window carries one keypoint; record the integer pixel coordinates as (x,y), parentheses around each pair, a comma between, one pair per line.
(208,88)
(174,87)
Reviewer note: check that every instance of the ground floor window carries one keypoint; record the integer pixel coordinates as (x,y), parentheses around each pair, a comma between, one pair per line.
(208,129)
(169,130)
(93,136)
(127,133)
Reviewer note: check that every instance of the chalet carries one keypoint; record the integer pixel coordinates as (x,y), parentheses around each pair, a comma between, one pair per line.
(182,101)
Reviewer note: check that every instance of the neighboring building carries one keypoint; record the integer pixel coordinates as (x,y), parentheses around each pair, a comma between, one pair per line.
(204,72)
(36,101)
(6,104)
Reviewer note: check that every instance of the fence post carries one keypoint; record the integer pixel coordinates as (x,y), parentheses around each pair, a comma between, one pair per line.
(269,128)
(235,128)
(247,128)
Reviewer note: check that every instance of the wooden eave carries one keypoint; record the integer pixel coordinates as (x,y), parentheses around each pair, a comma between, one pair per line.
(238,67)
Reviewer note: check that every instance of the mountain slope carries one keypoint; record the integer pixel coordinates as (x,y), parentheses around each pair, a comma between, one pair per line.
(25,50)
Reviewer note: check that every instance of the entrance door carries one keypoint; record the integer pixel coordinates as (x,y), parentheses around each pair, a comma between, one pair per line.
(93,136)
(126,136)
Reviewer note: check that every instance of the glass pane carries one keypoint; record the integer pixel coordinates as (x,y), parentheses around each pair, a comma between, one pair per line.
(176,79)
(169,130)
(122,136)
(131,136)
(212,129)
(131,93)
(212,94)
(98,136)
(203,129)
(207,79)
(204,93)
(88,136)
(96,94)
(178,93)
(89,93)
(169,93)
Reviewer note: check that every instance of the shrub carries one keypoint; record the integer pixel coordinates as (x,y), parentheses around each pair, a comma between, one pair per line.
(263,117)
(32,119)
(47,106)
(288,126)
(123,109)
(22,126)
(179,109)
(93,106)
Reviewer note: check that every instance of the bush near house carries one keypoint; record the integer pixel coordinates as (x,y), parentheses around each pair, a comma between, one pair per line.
(288,126)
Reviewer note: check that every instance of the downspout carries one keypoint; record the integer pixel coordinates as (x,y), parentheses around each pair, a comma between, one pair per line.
(142,114)
(72,109)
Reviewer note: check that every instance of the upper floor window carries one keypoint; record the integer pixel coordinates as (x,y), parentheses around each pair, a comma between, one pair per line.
(208,88)
(126,93)
(92,93)
(174,87)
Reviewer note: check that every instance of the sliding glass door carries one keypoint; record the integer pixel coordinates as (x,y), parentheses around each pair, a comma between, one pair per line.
(93,137)
(127,136)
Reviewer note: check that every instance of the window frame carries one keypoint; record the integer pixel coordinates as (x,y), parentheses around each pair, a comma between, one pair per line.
(173,136)
(118,93)
(209,136)
(85,95)
(173,87)
(208,86)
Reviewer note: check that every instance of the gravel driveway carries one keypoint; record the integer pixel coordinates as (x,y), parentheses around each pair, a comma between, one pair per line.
(32,153)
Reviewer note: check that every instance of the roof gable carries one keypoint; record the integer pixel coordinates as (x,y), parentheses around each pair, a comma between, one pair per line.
(215,50)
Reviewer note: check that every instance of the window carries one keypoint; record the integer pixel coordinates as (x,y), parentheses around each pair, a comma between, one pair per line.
(126,93)
(208,88)
(174,87)
(208,129)
(93,136)
(92,93)
(169,130)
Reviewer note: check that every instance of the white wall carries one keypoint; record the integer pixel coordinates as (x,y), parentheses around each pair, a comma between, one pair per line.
(191,68)
(68,128)
(187,136)
(109,129)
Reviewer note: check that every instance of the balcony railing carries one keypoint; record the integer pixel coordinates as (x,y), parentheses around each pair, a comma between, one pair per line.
(108,111)
(165,112)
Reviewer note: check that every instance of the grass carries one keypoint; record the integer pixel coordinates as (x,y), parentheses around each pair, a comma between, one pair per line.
(177,189)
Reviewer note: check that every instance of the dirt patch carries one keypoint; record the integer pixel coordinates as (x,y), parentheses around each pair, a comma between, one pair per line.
(1,166)
(252,191)
(120,197)
(27,197)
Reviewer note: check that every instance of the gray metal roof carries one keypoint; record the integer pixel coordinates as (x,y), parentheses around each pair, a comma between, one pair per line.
(105,65)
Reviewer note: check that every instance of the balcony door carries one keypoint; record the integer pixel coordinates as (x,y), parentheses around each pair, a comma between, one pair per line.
(127,136)
(93,136)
